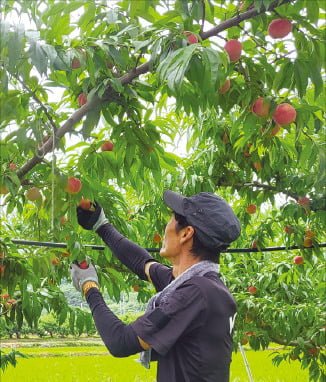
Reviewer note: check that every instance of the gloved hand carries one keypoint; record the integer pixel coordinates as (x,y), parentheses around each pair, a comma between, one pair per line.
(91,219)
(79,276)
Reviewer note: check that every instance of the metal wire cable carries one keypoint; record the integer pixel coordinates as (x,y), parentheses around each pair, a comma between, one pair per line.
(102,247)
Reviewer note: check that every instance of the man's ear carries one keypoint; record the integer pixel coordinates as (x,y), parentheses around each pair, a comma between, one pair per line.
(187,233)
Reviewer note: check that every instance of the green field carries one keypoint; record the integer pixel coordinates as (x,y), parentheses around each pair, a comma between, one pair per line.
(94,364)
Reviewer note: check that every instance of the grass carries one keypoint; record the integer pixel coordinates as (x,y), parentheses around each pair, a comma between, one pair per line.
(79,369)
(94,364)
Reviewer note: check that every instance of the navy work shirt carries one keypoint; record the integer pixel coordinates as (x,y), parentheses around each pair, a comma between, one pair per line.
(191,333)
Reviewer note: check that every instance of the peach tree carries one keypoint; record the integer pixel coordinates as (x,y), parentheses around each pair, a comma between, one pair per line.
(117,101)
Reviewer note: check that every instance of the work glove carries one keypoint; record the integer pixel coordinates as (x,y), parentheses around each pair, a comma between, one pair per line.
(79,275)
(91,219)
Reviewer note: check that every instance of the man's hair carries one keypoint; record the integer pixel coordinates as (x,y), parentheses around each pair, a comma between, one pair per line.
(198,248)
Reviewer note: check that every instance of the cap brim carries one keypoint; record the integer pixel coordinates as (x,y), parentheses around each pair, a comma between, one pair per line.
(174,201)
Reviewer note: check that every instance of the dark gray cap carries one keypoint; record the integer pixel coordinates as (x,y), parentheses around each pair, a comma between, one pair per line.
(212,217)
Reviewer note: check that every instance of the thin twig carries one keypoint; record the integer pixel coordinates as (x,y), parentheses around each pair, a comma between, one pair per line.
(39,102)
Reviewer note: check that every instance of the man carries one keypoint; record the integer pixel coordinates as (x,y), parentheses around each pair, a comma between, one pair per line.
(188,324)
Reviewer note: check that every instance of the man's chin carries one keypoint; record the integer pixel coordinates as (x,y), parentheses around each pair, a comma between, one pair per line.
(162,252)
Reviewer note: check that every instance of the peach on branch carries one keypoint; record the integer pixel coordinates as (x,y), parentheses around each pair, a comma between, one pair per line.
(313,351)
(303,201)
(73,186)
(107,146)
(307,242)
(309,233)
(288,229)
(66,254)
(192,38)
(298,260)
(251,209)
(82,99)
(157,238)
(274,131)
(284,114)
(75,63)
(33,194)
(252,289)
(2,270)
(63,220)
(258,165)
(279,28)
(55,261)
(233,48)
(261,107)
(13,166)
(225,87)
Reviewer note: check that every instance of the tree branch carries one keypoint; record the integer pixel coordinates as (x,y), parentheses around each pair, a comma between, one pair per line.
(281,341)
(125,79)
(260,185)
(239,18)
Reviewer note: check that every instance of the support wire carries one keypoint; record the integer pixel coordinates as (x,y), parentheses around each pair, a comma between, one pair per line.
(102,247)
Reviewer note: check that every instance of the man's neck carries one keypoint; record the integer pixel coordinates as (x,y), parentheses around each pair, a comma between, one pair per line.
(183,263)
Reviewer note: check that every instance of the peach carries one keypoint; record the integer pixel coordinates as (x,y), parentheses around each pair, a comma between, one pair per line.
(225,87)
(303,200)
(73,186)
(107,146)
(234,49)
(298,260)
(33,194)
(284,114)
(82,99)
(261,107)
(279,28)
(192,39)
(251,209)
(252,289)
(157,238)
(307,242)
(258,165)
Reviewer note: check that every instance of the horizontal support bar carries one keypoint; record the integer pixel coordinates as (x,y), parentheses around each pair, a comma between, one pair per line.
(102,247)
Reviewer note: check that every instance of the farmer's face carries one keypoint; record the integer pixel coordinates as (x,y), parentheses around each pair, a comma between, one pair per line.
(171,245)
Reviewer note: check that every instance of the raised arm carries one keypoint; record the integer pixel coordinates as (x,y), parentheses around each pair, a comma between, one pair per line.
(136,258)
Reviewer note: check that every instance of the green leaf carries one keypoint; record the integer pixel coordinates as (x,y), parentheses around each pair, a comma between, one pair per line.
(92,119)
(316,77)
(15,47)
(301,74)
(174,66)
(312,11)
(285,77)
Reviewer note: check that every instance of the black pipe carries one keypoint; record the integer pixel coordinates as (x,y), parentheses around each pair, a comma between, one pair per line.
(101,247)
